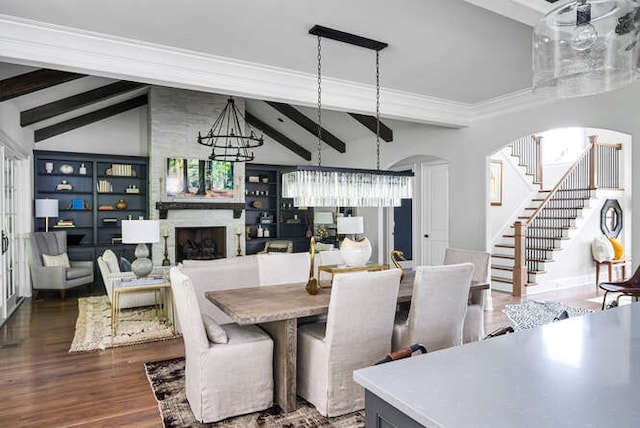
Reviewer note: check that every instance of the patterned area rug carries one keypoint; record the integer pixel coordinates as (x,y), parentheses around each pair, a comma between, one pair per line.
(93,327)
(167,382)
(531,313)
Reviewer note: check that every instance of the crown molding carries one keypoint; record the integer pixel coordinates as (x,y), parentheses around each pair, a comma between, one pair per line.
(508,103)
(46,45)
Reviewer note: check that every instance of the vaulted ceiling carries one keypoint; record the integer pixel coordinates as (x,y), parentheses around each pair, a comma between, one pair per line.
(454,54)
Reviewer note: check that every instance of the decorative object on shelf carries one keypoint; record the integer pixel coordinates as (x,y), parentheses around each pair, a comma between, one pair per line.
(238,234)
(165,235)
(585,47)
(132,188)
(48,166)
(104,186)
(121,170)
(141,232)
(259,232)
(110,221)
(46,208)
(77,204)
(266,218)
(257,204)
(226,135)
(66,169)
(316,186)
(321,219)
(82,170)
(266,233)
(121,204)
(65,223)
(355,252)
(64,186)
(264,178)
(105,208)
(254,179)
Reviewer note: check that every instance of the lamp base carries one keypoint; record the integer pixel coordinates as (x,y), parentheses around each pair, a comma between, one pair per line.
(355,252)
(142,265)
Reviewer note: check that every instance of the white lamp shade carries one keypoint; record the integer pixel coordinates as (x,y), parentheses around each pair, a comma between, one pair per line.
(323,217)
(350,225)
(46,208)
(140,231)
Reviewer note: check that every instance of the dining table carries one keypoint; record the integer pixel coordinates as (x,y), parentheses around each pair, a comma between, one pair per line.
(277,309)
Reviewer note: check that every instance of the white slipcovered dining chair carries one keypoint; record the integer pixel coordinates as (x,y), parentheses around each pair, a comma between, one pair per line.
(357,333)
(438,307)
(473,329)
(230,377)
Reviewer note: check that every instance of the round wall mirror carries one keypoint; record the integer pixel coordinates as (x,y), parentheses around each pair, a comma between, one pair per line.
(611,218)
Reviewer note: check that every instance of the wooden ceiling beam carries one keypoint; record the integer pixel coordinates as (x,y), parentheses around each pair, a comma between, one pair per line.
(309,125)
(27,83)
(277,136)
(369,122)
(89,118)
(66,105)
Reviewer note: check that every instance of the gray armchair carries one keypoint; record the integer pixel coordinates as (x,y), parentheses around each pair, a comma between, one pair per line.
(58,278)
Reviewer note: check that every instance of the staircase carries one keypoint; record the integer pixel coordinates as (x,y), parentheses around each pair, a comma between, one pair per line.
(521,255)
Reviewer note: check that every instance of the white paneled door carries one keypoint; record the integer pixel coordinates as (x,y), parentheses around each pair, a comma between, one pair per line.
(8,203)
(435,213)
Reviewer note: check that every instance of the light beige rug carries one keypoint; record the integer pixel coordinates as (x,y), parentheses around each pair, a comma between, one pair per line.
(93,327)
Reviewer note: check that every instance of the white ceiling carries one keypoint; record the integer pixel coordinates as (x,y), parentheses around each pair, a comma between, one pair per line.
(461,51)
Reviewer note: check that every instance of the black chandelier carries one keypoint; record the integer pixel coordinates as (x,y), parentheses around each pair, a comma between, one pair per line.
(226,139)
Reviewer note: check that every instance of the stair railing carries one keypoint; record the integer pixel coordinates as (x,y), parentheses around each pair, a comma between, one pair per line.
(597,166)
(529,153)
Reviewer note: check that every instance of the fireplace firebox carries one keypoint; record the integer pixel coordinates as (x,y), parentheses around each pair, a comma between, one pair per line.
(200,243)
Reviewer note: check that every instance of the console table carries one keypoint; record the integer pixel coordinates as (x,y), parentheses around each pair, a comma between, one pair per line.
(335,269)
(162,292)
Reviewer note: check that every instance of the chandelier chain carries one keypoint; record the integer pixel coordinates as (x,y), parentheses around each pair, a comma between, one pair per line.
(319,102)
(378,108)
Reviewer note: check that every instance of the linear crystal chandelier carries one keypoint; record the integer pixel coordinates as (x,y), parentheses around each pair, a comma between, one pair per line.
(586,47)
(321,186)
(226,137)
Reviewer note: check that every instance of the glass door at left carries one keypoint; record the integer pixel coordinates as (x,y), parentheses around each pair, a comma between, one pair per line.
(8,286)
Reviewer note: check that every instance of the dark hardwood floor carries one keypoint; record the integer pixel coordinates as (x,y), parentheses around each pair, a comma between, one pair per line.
(41,384)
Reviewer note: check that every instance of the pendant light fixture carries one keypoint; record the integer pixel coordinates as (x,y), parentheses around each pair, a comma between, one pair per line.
(320,186)
(586,47)
(226,137)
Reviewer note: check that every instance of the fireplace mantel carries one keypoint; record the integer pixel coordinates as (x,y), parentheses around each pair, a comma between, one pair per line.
(164,207)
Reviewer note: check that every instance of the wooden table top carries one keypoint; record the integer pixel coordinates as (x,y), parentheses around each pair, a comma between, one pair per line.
(257,305)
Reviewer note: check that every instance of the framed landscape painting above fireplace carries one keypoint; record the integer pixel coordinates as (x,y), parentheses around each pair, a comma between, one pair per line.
(196,178)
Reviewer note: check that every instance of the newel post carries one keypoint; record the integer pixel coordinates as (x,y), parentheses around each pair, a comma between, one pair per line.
(593,165)
(519,265)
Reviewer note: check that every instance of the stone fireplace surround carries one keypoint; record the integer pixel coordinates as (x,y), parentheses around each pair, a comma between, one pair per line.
(175,117)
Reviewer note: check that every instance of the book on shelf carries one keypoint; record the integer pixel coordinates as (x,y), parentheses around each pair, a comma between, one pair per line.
(64,223)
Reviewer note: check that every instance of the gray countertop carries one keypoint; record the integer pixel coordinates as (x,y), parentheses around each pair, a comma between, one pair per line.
(581,372)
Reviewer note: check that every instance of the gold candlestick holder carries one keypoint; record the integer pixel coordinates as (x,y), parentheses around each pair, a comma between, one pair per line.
(239,252)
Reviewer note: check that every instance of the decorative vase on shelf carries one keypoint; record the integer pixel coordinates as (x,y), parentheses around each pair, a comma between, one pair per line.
(82,170)
(48,166)
(121,204)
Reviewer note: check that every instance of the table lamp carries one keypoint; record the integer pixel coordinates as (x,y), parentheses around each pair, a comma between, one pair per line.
(355,252)
(141,232)
(322,218)
(46,208)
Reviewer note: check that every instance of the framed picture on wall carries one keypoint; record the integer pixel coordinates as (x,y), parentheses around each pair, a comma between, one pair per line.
(195,178)
(495,182)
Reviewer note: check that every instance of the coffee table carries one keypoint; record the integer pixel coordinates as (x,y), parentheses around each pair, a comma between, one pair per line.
(160,287)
